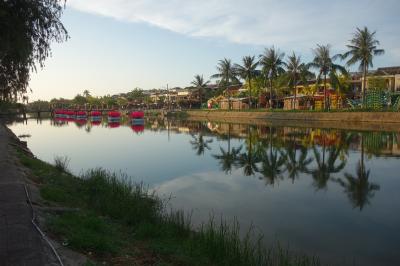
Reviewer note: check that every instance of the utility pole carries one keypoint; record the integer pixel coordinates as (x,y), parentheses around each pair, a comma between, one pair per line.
(169,99)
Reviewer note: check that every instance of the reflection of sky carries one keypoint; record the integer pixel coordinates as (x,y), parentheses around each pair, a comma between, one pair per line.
(319,222)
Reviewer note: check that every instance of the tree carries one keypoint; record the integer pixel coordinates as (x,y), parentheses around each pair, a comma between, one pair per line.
(326,67)
(199,144)
(26,32)
(358,188)
(325,168)
(200,84)
(273,66)
(296,164)
(86,93)
(247,71)
(362,48)
(248,160)
(226,74)
(272,162)
(296,71)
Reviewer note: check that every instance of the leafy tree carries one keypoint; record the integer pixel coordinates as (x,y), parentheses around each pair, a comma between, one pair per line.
(273,66)
(200,84)
(26,32)
(362,48)
(135,94)
(247,71)
(79,100)
(326,67)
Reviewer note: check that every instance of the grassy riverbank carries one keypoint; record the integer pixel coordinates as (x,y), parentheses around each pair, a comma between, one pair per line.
(119,222)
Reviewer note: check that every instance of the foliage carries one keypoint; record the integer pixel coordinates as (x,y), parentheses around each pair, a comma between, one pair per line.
(272,66)
(362,48)
(247,71)
(26,32)
(377,83)
(325,65)
(115,215)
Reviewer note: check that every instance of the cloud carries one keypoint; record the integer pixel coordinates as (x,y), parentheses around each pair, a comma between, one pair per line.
(289,24)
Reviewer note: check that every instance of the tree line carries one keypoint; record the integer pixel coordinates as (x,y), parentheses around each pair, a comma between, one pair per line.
(271,67)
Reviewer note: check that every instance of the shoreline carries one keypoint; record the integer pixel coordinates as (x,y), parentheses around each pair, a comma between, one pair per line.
(357,121)
(71,206)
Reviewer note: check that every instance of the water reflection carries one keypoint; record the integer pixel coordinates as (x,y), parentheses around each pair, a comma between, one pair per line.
(275,154)
(311,188)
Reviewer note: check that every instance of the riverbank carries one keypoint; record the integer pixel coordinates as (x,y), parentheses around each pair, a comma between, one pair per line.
(378,121)
(121,223)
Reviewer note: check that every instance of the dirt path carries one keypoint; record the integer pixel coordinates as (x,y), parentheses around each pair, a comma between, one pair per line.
(20,243)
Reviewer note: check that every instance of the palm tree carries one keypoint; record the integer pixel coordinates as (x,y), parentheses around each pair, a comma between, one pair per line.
(358,189)
(86,93)
(272,161)
(296,164)
(324,63)
(200,84)
(248,160)
(247,71)
(226,75)
(273,66)
(199,144)
(296,71)
(228,159)
(325,168)
(362,48)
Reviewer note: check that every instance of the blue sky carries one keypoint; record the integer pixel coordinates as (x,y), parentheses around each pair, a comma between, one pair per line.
(117,45)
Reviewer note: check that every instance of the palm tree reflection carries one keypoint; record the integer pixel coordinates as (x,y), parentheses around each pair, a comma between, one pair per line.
(199,144)
(296,164)
(248,160)
(358,189)
(325,168)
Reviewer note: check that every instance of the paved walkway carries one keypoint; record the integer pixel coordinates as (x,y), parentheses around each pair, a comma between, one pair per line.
(20,243)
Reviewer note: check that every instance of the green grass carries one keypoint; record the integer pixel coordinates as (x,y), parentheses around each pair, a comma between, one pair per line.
(113,217)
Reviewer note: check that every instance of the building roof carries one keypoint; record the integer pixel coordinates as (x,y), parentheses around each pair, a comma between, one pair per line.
(388,70)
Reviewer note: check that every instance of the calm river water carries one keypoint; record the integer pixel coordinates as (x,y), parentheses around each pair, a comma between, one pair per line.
(331,193)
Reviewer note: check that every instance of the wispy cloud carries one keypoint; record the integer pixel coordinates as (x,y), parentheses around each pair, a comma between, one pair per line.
(294,24)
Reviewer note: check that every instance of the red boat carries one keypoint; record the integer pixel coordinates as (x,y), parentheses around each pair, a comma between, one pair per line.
(136,114)
(95,113)
(114,114)
(113,124)
(137,128)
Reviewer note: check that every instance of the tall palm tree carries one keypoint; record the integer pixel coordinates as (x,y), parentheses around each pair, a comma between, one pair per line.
(296,71)
(226,75)
(358,188)
(199,144)
(86,93)
(247,71)
(228,159)
(362,49)
(248,160)
(326,67)
(273,66)
(200,84)
(325,168)
(296,164)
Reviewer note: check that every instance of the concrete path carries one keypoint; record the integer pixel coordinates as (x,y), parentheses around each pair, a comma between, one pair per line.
(20,243)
